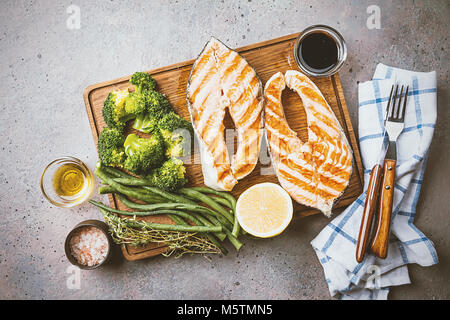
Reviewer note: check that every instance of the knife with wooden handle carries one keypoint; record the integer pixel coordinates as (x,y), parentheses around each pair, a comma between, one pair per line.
(379,244)
(369,209)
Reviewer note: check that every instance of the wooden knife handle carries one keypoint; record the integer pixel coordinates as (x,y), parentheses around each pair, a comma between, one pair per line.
(379,244)
(369,209)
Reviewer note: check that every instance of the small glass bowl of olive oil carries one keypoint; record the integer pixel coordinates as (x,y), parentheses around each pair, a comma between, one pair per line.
(67,182)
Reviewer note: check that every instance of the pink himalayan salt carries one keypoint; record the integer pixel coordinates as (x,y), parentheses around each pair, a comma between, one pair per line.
(89,246)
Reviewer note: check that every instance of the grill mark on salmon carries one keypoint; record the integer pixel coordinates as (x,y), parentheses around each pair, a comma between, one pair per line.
(220,78)
(315,173)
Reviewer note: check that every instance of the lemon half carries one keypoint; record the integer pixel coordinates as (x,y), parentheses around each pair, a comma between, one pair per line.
(264,210)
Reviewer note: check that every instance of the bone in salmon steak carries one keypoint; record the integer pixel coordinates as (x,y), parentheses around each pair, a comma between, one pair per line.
(220,78)
(315,173)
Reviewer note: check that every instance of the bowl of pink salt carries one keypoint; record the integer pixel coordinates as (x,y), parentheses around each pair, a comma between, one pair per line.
(88,245)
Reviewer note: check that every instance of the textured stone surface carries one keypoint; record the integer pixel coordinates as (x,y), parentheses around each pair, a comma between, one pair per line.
(45,67)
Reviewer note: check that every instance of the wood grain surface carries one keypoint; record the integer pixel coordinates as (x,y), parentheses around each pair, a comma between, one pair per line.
(380,240)
(267,58)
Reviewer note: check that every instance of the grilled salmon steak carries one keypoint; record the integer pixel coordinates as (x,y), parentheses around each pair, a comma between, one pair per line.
(222,80)
(315,173)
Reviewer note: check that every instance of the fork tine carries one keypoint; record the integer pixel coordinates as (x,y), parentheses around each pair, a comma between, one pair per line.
(391,106)
(396,115)
(389,102)
(402,117)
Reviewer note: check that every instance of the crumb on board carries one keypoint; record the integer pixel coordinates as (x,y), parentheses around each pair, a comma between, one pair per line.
(89,246)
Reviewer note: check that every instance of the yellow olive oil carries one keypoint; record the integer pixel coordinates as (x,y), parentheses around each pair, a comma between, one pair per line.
(69,181)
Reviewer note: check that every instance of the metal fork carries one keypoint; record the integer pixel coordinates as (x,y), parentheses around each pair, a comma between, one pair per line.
(395,123)
(395,120)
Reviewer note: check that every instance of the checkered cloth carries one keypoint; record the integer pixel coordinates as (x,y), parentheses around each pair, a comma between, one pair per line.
(335,245)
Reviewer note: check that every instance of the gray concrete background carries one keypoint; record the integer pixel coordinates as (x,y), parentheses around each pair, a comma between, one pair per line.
(45,67)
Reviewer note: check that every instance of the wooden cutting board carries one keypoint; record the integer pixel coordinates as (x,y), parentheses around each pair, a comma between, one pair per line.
(267,58)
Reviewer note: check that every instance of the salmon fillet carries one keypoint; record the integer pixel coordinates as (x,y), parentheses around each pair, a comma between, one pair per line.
(315,173)
(222,80)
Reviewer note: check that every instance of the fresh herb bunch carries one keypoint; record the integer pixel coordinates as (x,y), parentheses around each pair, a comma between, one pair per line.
(137,232)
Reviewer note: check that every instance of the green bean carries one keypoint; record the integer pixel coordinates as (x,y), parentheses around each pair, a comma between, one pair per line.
(149,198)
(142,213)
(227,230)
(199,220)
(235,241)
(105,190)
(168,195)
(116,172)
(111,171)
(222,194)
(222,201)
(220,235)
(235,231)
(181,228)
(230,199)
(131,181)
(181,221)
(145,184)
(158,206)
(174,227)
(177,219)
(208,201)
(216,218)
(211,238)
(128,191)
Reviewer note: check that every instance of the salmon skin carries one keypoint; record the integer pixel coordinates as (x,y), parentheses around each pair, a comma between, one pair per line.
(222,80)
(315,173)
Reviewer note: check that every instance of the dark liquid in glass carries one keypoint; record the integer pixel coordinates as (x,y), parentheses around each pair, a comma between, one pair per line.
(319,52)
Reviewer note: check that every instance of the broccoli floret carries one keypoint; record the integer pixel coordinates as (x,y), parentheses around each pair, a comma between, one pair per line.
(157,105)
(143,81)
(178,134)
(113,110)
(145,123)
(143,154)
(144,101)
(171,176)
(110,147)
(135,104)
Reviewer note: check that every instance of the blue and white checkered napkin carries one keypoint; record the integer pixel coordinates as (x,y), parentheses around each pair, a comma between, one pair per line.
(335,245)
